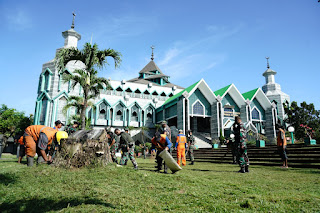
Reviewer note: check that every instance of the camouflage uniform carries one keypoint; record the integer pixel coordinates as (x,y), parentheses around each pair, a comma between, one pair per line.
(127,147)
(191,140)
(113,148)
(240,137)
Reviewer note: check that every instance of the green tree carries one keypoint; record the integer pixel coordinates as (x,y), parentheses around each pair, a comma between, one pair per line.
(13,122)
(87,78)
(305,114)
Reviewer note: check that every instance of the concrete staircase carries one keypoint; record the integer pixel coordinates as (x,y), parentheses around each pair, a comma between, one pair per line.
(202,141)
(300,155)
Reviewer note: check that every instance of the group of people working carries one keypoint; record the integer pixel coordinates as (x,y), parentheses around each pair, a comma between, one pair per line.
(43,141)
(161,141)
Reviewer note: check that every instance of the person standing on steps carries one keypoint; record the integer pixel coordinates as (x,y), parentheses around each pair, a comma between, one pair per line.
(282,145)
(240,137)
(127,146)
(191,147)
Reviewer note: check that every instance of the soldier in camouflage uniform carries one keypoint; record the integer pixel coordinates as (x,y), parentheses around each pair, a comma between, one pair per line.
(191,147)
(127,146)
(113,146)
(240,137)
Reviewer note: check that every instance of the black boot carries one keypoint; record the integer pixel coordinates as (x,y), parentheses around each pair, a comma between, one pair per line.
(192,163)
(247,169)
(242,170)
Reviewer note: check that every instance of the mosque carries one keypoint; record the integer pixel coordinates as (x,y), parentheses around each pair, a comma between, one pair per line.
(151,98)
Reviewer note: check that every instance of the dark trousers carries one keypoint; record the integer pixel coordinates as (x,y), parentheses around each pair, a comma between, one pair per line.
(159,161)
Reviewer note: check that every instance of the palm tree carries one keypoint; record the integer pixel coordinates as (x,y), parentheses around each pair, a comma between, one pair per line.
(77,103)
(87,78)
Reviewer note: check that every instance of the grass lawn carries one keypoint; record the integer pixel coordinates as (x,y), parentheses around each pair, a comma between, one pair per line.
(204,187)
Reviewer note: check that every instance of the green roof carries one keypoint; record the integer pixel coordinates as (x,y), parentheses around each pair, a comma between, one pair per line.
(222,90)
(249,95)
(188,89)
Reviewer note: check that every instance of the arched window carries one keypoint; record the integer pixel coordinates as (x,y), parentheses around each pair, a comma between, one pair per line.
(46,81)
(43,112)
(149,112)
(119,112)
(255,114)
(102,111)
(134,113)
(198,108)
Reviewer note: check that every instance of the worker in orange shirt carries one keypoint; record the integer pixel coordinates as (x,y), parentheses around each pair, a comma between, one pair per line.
(22,150)
(181,145)
(161,142)
(36,139)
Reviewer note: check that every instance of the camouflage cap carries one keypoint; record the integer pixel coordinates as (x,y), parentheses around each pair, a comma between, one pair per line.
(164,122)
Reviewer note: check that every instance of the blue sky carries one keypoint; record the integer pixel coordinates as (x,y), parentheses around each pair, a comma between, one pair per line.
(221,41)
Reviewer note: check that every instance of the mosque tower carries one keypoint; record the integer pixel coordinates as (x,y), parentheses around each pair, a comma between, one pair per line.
(273,91)
(52,92)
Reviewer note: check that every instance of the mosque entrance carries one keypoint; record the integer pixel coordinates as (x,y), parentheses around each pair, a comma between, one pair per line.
(200,124)
(172,122)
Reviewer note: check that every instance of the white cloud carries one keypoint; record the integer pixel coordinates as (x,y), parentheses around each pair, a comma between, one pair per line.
(190,58)
(170,54)
(17,19)
(107,29)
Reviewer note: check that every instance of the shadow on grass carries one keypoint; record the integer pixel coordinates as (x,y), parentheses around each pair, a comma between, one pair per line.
(7,178)
(45,205)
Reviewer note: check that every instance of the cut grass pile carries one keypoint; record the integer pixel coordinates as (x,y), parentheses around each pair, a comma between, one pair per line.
(204,187)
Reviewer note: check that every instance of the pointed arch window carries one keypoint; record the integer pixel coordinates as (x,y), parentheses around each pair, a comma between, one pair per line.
(255,114)
(134,113)
(45,80)
(102,111)
(155,93)
(170,95)
(198,108)
(149,112)
(163,94)
(119,112)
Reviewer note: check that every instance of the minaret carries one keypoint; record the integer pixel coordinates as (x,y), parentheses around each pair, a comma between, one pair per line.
(273,91)
(71,36)
(269,74)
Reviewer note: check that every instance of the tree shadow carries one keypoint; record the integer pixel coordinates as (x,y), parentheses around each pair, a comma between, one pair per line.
(7,178)
(42,205)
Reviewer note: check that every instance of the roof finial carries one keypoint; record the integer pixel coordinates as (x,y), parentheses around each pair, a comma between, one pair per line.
(74,15)
(268,62)
(152,47)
